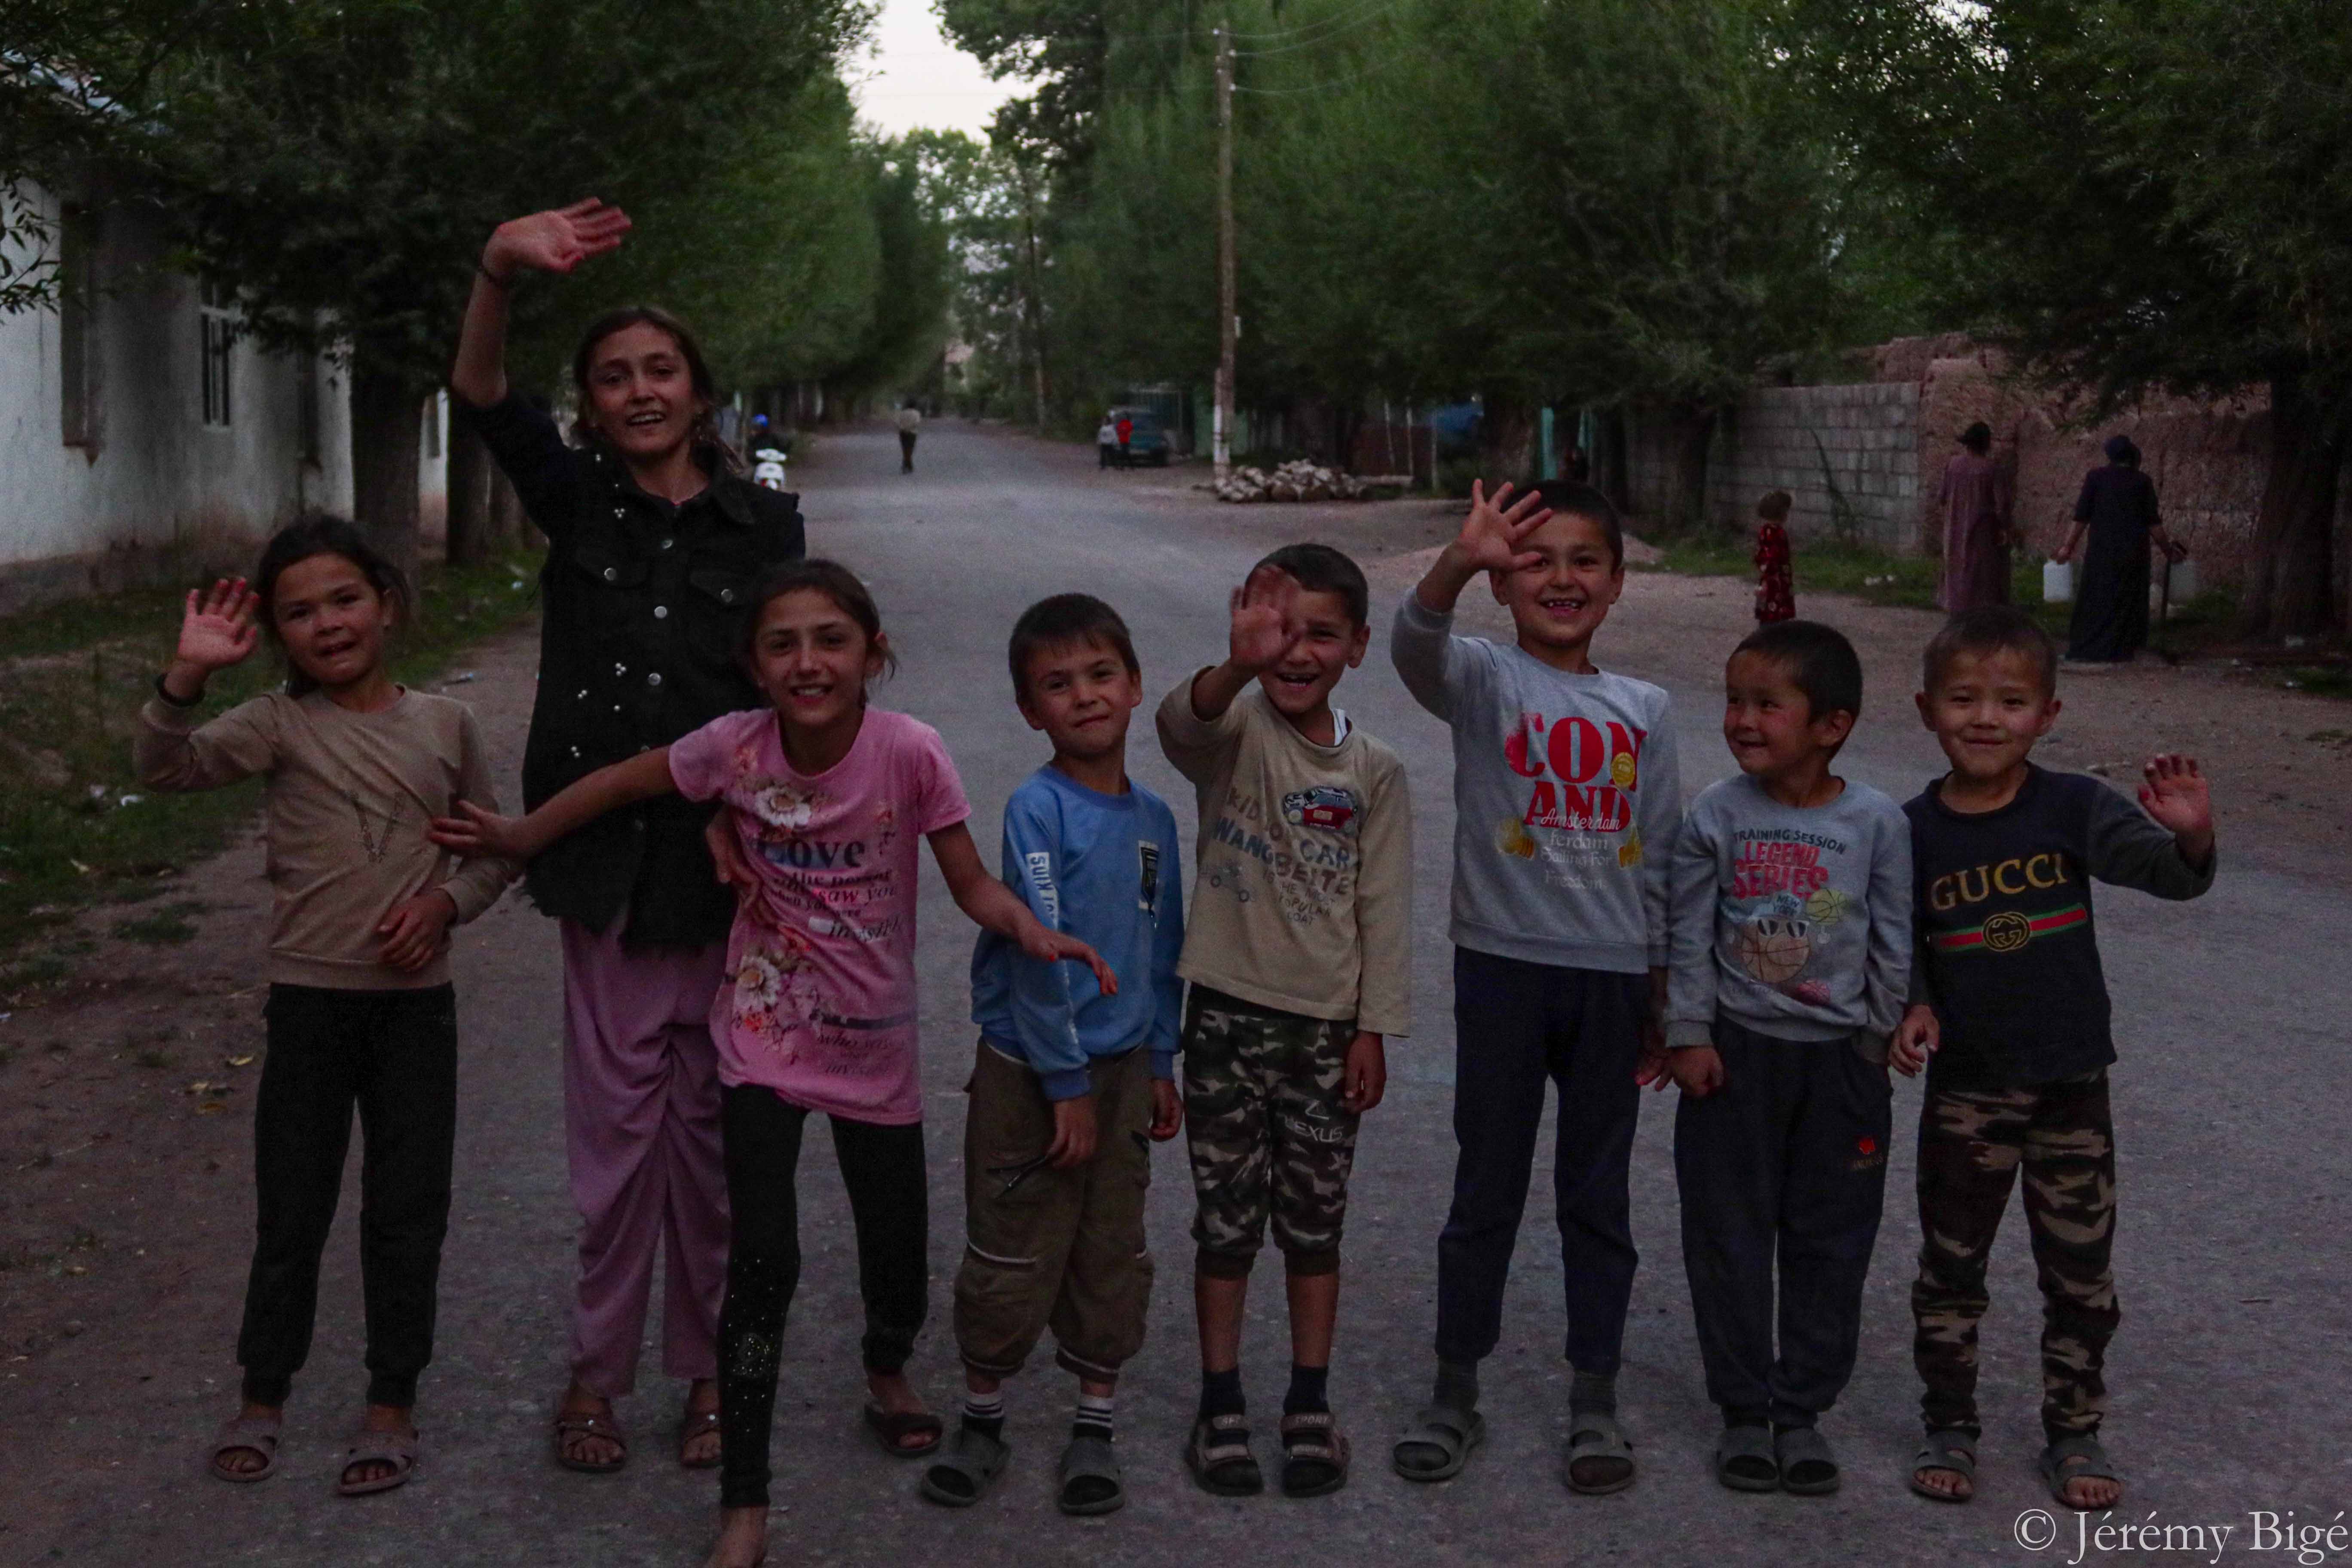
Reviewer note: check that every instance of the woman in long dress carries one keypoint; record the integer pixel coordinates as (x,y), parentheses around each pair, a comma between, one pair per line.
(2117,511)
(1976,500)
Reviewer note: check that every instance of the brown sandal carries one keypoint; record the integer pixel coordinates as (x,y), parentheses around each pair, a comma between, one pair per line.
(585,1424)
(698,1423)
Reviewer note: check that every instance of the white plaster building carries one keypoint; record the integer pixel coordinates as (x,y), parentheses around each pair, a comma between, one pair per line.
(141,438)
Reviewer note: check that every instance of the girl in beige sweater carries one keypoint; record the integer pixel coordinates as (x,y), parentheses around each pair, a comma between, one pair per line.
(361,1011)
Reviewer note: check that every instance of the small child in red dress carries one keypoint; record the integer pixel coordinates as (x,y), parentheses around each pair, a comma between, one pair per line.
(1776,588)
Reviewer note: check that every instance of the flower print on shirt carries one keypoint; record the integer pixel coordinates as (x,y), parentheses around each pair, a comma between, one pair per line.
(823,1006)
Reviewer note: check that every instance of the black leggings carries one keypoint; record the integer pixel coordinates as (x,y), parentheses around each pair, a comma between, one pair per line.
(392,1054)
(882,1167)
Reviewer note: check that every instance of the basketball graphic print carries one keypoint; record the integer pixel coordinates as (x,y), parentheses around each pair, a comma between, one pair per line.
(1772,951)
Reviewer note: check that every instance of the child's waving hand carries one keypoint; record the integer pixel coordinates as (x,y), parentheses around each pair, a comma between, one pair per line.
(2178,797)
(1491,536)
(556,240)
(1266,624)
(218,627)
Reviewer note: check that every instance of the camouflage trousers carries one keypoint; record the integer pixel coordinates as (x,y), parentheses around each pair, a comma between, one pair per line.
(1269,1134)
(1971,1144)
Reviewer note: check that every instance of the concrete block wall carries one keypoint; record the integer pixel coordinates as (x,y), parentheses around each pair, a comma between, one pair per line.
(1848,456)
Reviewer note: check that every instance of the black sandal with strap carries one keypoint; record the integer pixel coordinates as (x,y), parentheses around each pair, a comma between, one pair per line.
(1314,1455)
(1220,1458)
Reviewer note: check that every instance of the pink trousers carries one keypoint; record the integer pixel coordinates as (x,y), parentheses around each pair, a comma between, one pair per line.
(641,1122)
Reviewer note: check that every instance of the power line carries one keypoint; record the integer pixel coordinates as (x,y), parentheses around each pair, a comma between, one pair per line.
(1328,84)
(1328,27)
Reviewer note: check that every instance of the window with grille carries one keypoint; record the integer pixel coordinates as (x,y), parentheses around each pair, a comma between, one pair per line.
(216,322)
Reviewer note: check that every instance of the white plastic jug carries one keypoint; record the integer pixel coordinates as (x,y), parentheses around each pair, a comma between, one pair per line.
(2057,581)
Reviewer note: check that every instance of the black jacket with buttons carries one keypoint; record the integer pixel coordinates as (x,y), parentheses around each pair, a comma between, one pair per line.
(642,606)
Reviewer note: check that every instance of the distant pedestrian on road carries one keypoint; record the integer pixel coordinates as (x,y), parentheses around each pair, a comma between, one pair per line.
(1106,443)
(1071,1083)
(654,542)
(1791,956)
(1776,585)
(1299,979)
(910,423)
(1567,796)
(1126,431)
(1975,496)
(2012,1007)
(2117,511)
(826,799)
(361,1013)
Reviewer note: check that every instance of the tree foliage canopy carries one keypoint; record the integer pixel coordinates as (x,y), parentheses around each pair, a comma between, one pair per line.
(2154,196)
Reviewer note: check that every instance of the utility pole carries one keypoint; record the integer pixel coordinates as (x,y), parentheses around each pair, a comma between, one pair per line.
(1228,321)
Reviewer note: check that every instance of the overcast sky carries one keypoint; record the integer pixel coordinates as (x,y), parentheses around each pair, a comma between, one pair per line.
(915,76)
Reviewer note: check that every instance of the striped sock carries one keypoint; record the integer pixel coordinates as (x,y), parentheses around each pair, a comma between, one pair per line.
(1093,1418)
(984,1414)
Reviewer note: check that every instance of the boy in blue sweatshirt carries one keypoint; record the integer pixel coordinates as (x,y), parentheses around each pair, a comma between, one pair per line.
(1070,1082)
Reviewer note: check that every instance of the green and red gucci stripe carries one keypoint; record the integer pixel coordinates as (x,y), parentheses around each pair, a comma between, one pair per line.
(2008,932)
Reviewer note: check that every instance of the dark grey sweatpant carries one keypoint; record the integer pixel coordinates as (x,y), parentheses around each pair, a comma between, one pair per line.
(1787,1160)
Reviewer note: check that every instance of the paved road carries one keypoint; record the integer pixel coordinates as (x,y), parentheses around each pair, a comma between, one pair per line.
(2233,1374)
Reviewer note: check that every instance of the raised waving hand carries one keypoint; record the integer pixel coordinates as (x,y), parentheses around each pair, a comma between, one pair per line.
(1490,541)
(1491,536)
(217,629)
(1267,623)
(556,240)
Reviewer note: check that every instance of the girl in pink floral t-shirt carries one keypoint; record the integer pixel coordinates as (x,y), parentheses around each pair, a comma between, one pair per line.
(827,799)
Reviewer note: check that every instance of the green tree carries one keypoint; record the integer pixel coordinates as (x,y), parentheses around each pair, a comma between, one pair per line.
(2153,197)
(340,165)
(909,327)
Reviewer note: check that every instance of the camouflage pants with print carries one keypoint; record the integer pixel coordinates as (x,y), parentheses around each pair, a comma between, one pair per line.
(1971,1145)
(1270,1137)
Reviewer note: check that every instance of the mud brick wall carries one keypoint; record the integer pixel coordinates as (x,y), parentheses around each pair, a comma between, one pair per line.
(2208,459)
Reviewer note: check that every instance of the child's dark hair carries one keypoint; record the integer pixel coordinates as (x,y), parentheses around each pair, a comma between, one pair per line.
(1978,437)
(1319,569)
(1991,629)
(704,436)
(1060,621)
(1580,500)
(1774,507)
(1820,661)
(835,582)
(321,534)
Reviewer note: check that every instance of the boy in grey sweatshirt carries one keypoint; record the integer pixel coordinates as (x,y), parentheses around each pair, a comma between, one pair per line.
(1566,799)
(1792,951)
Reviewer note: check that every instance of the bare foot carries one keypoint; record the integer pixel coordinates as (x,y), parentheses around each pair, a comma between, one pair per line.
(589,1448)
(897,1396)
(1944,1482)
(379,1419)
(2090,1494)
(700,1450)
(249,1461)
(742,1539)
